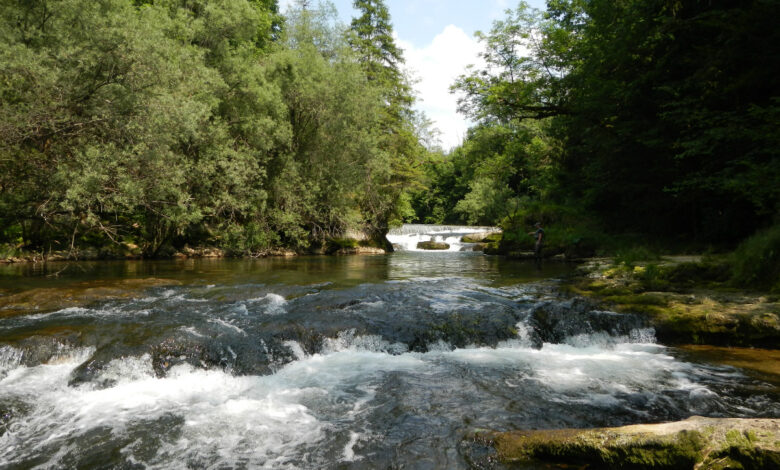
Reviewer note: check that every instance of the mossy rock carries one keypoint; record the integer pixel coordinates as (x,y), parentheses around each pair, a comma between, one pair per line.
(682,314)
(481,237)
(704,443)
(432,245)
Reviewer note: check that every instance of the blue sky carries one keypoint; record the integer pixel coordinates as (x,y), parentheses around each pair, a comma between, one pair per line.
(419,21)
(438,41)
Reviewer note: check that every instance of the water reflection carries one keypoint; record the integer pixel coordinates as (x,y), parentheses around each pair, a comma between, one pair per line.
(342,270)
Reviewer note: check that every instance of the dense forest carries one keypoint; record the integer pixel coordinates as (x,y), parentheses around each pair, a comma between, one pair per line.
(155,124)
(637,122)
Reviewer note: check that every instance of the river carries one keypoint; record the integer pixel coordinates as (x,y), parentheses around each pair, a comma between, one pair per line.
(383,361)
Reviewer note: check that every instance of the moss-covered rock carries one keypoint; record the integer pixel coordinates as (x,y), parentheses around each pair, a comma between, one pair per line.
(683,302)
(701,443)
(433,245)
(355,243)
(481,237)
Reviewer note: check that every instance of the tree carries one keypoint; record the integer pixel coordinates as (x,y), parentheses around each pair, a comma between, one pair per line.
(398,137)
(527,59)
(372,39)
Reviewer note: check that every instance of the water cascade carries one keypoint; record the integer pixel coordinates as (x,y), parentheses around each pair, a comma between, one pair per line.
(408,236)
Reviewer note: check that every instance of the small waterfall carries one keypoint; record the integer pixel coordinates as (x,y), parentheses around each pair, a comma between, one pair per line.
(408,236)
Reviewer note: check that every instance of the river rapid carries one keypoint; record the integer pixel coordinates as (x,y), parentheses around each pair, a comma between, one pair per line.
(384,361)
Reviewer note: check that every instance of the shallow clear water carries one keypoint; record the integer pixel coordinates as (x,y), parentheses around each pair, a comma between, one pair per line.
(323,362)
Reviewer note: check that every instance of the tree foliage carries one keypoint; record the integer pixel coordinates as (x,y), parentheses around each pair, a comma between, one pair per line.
(163,122)
(661,116)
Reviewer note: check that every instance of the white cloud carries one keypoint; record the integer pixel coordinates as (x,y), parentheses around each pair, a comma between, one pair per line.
(436,66)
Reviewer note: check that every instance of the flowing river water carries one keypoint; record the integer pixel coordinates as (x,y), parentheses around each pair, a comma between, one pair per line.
(385,361)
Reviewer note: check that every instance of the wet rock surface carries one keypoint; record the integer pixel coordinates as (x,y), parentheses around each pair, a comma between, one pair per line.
(682,311)
(695,443)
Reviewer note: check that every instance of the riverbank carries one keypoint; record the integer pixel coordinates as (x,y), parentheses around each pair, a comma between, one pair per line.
(125,251)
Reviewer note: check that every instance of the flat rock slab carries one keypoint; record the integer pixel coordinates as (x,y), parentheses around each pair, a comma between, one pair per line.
(695,443)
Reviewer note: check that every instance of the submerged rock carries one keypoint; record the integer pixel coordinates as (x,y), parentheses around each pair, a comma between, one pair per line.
(697,442)
(46,299)
(557,321)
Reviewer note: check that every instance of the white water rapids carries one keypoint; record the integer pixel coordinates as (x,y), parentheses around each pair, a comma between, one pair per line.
(367,362)
(283,420)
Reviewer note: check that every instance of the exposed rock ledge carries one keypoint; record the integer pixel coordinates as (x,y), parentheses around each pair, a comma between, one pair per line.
(695,443)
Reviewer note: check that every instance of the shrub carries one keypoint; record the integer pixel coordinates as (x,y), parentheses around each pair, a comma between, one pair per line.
(756,262)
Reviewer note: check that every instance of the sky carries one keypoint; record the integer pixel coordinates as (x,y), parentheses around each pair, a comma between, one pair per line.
(437,37)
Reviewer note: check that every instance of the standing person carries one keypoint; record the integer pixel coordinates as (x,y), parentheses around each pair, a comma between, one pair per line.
(539,238)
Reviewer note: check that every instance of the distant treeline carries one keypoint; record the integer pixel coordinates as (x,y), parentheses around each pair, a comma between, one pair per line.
(657,119)
(157,123)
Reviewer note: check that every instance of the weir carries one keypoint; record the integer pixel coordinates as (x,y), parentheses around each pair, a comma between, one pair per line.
(408,236)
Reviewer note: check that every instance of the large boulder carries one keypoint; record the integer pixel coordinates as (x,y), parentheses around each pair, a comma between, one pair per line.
(432,245)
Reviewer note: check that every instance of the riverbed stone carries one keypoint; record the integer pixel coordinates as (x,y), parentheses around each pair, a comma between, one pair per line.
(361,250)
(46,299)
(695,443)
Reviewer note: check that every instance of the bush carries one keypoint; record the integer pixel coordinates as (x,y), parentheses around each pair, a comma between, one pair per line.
(8,251)
(756,262)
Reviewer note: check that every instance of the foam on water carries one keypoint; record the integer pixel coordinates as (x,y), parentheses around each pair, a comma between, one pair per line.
(227,325)
(349,452)
(274,303)
(350,341)
(260,419)
(10,358)
(276,421)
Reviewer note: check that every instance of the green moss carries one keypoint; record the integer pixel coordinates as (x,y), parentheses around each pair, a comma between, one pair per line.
(494,237)
(604,449)
(756,262)
(431,245)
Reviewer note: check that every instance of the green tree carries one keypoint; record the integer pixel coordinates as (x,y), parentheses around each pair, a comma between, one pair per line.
(671,130)
(398,136)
